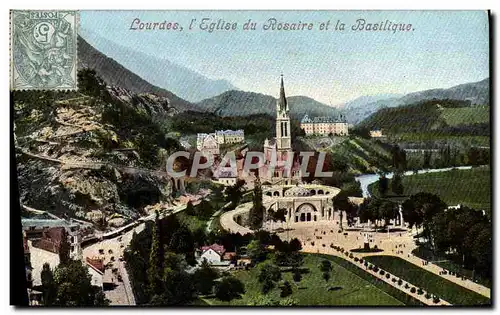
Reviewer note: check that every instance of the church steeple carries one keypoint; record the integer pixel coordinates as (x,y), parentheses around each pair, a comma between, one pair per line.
(283,137)
(282,100)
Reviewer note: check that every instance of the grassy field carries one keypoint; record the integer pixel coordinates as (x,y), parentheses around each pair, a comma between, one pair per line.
(431,137)
(471,188)
(466,115)
(313,290)
(445,289)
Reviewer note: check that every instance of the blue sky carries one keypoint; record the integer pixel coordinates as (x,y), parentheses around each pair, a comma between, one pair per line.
(445,48)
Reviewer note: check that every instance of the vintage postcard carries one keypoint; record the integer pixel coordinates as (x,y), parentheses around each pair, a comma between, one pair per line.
(252,158)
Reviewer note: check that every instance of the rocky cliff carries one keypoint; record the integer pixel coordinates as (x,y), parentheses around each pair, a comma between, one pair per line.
(94,153)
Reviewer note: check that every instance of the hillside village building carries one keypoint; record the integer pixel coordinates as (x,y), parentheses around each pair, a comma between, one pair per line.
(230,136)
(325,125)
(208,144)
(376,133)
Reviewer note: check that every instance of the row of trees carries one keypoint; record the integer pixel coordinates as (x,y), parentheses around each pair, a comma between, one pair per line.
(464,234)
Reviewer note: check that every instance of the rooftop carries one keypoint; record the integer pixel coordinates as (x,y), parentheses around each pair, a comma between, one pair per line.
(324,119)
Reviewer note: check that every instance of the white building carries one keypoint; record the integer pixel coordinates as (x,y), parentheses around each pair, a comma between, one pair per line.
(230,136)
(325,125)
(215,255)
(207,144)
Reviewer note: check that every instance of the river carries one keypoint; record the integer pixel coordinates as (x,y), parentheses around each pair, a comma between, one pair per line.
(367,179)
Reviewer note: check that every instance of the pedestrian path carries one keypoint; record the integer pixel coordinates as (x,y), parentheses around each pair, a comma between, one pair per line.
(402,287)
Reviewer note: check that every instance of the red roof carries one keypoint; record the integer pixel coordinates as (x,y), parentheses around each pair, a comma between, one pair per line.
(228,255)
(51,239)
(95,263)
(215,247)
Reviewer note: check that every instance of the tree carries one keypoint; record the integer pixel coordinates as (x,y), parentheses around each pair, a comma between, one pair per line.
(383,185)
(325,265)
(286,289)
(387,211)
(74,288)
(326,276)
(297,276)
(255,251)
(179,287)
(269,272)
(343,204)
(229,288)
(190,208)
(256,215)
(420,208)
(48,285)
(64,248)
(205,278)
(156,259)
(235,192)
(397,184)
(295,245)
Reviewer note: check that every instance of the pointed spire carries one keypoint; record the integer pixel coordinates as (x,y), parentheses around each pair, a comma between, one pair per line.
(282,100)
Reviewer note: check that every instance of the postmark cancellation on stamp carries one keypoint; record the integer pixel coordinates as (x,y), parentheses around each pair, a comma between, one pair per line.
(43,50)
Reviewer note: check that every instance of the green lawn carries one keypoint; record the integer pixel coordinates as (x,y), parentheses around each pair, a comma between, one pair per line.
(466,115)
(312,290)
(466,187)
(445,289)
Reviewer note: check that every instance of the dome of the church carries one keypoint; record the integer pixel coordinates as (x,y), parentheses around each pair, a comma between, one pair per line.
(297,191)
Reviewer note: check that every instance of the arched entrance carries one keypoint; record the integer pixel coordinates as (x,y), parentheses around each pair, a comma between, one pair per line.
(305,213)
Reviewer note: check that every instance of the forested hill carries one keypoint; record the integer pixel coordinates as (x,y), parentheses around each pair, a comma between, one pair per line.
(117,75)
(476,93)
(240,103)
(443,116)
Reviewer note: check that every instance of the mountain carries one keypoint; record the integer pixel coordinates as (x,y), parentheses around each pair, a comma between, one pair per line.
(367,99)
(114,74)
(240,103)
(477,93)
(186,83)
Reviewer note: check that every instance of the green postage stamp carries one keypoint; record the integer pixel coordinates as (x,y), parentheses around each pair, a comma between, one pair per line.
(43,50)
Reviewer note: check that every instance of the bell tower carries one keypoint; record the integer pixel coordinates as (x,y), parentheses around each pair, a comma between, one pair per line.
(283,137)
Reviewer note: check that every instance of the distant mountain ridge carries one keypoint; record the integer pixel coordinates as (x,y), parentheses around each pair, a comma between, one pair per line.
(114,74)
(241,103)
(186,83)
(475,92)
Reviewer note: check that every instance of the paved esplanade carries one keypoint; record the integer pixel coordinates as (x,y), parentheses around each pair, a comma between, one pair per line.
(398,243)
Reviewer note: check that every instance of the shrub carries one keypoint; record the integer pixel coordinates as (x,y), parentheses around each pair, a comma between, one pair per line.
(312,243)
(428,296)
(388,275)
(435,299)
(420,291)
(324,245)
(356,259)
(370,267)
(376,247)
(361,260)
(413,290)
(407,286)
(394,280)
(382,272)
(375,268)
(366,264)
(400,282)
(351,256)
